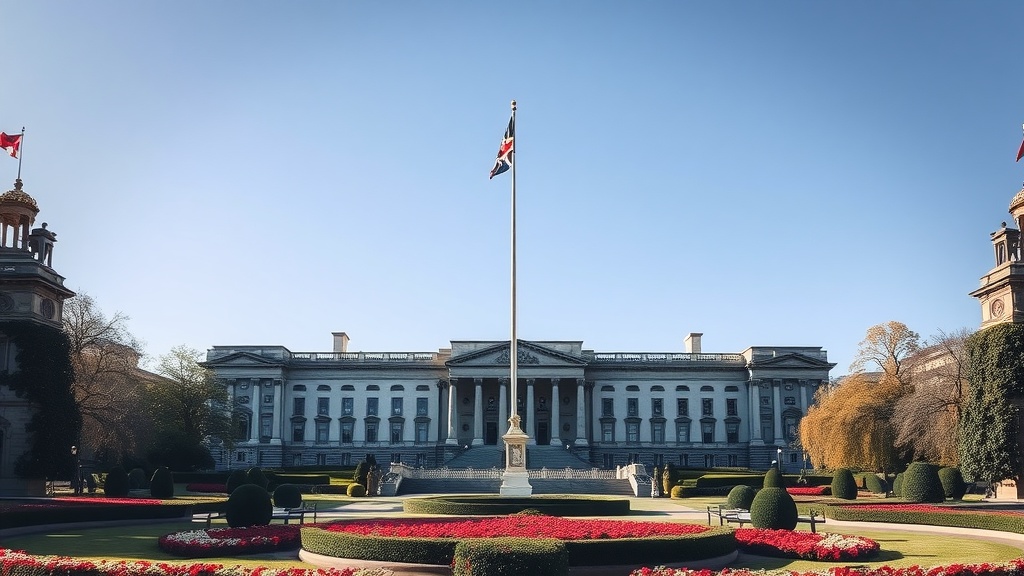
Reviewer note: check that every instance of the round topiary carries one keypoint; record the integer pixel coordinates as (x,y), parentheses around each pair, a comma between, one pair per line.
(162,484)
(921,483)
(773,478)
(874,484)
(843,484)
(256,476)
(678,491)
(953,485)
(116,484)
(741,497)
(235,479)
(137,478)
(773,508)
(287,496)
(356,490)
(897,485)
(249,505)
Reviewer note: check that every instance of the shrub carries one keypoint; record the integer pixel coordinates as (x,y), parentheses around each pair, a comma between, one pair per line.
(773,478)
(921,483)
(953,485)
(843,485)
(874,484)
(116,484)
(773,508)
(897,485)
(680,491)
(359,476)
(249,505)
(287,496)
(511,557)
(162,484)
(256,476)
(137,479)
(356,490)
(235,479)
(729,480)
(741,497)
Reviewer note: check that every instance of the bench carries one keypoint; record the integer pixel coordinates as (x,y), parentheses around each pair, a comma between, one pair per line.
(286,514)
(741,517)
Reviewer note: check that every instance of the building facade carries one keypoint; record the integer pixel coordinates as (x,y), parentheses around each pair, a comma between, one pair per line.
(691,408)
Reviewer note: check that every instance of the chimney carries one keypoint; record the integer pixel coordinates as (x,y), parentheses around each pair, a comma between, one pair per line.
(341,342)
(692,342)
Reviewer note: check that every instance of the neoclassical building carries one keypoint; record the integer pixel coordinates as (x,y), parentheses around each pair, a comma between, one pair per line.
(692,408)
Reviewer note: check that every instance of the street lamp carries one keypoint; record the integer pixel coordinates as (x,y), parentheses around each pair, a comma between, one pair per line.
(779,459)
(76,476)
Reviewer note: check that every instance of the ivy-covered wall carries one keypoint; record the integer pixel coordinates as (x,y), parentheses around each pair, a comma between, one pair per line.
(990,448)
(44,377)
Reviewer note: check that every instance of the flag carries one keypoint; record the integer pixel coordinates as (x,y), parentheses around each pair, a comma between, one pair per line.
(10,143)
(506,150)
(1020,153)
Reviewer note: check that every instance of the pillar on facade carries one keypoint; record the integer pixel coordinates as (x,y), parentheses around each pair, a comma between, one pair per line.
(277,389)
(755,412)
(453,396)
(531,411)
(777,409)
(556,407)
(502,403)
(478,412)
(802,396)
(581,413)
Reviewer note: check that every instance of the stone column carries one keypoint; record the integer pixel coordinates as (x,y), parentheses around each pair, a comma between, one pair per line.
(777,409)
(453,397)
(802,396)
(478,412)
(581,413)
(277,389)
(531,418)
(502,404)
(556,407)
(755,412)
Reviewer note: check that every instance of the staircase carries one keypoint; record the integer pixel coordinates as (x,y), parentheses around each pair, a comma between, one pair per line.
(478,458)
(540,486)
(553,457)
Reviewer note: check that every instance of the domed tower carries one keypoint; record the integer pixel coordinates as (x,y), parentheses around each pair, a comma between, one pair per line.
(1001,294)
(29,287)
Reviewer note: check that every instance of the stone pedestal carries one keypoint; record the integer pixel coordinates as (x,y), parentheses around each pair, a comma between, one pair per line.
(515,481)
(1009,489)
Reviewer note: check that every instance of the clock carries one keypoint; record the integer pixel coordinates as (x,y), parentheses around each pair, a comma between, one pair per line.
(996,308)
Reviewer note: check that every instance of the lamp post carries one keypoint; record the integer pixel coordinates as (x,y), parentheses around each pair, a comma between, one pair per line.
(76,475)
(778,451)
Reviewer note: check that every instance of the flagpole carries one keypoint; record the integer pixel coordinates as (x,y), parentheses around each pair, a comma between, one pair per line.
(514,346)
(21,151)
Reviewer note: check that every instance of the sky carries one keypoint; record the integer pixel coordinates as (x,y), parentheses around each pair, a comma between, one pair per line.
(767,173)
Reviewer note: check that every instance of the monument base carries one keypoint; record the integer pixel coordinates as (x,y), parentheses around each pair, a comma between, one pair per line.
(515,483)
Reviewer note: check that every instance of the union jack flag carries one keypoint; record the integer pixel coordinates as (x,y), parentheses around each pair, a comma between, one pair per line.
(506,150)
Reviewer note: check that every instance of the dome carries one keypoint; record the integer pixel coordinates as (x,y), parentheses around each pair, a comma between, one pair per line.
(18,196)
(1018,200)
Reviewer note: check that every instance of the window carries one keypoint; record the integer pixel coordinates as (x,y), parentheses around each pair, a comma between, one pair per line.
(682,407)
(707,431)
(683,432)
(707,407)
(709,460)
(607,407)
(346,432)
(322,431)
(657,388)
(730,407)
(632,407)
(396,406)
(733,460)
(298,407)
(239,456)
(299,388)
(794,458)
(323,406)
(348,388)
(706,389)
(397,388)
(371,406)
(268,398)
(421,406)
(732,432)
(684,460)
(371,432)
(657,407)
(323,388)
(346,459)
(298,432)
(266,426)
(321,459)
(790,425)
(396,457)
(632,388)
(421,432)
(607,432)
(242,427)
(658,432)
(789,401)
(396,432)
(421,460)
(766,401)
(296,459)
(632,432)
(347,406)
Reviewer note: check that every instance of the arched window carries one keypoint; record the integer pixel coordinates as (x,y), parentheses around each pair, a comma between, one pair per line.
(397,388)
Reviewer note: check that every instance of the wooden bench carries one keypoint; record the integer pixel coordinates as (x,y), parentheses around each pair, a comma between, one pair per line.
(286,514)
(741,517)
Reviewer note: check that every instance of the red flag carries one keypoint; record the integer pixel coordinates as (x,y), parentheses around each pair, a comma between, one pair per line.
(12,143)
(1020,153)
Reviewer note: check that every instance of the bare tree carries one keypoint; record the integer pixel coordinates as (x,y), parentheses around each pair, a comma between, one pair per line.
(889,347)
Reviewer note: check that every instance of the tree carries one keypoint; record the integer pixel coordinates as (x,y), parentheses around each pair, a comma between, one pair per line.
(187,408)
(926,419)
(888,347)
(108,382)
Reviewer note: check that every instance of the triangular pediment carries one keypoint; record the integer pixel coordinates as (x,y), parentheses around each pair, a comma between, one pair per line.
(791,360)
(528,353)
(241,359)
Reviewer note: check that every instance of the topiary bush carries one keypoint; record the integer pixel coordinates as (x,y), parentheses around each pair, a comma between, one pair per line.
(235,479)
(287,496)
(897,485)
(921,483)
(669,477)
(874,484)
(162,484)
(356,490)
(256,476)
(773,479)
(953,485)
(359,476)
(116,484)
(510,557)
(137,479)
(679,491)
(741,497)
(249,505)
(843,485)
(773,508)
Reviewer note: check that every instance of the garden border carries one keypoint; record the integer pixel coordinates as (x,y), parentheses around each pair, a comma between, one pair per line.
(487,505)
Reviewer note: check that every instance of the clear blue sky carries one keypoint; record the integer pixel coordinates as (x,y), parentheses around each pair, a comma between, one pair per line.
(767,173)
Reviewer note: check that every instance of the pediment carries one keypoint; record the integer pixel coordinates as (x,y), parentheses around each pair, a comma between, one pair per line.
(791,360)
(241,359)
(529,354)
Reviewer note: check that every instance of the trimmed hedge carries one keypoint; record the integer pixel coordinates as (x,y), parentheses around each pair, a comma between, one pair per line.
(874,484)
(897,485)
(36,516)
(498,505)
(201,477)
(741,497)
(773,479)
(256,476)
(235,479)
(953,485)
(249,505)
(921,483)
(717,541)
(356,490)
(116,483)
(999,522)
(162,484)
(287,496)
(510,557)
(843,484)
(773,508)
(730,480)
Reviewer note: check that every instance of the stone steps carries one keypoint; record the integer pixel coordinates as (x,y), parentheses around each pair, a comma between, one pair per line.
(540,486)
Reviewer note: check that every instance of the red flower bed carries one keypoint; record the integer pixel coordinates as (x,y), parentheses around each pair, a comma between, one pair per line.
(200,487)
(1012,568)
(809,490)
(531,526)
(230,541)
(805,545)
(931,508)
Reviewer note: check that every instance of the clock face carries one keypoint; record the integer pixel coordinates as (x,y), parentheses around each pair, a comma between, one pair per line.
(996,308)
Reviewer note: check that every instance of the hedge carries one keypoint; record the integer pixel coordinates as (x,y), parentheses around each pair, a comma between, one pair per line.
(730,480)
(16,518)
(964,519)
(510,557)
(498,505)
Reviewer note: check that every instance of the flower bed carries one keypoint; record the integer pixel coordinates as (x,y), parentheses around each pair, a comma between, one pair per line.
(1012,568)
(960,517)
(206,488)
(230,541)
(517,525)
(481,505)
(805,545)
(810,490)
